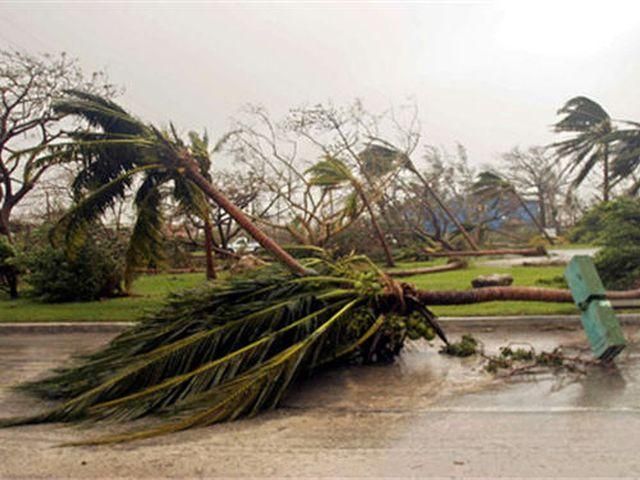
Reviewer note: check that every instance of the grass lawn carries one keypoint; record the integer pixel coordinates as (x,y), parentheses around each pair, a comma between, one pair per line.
(151,290)
(522,276)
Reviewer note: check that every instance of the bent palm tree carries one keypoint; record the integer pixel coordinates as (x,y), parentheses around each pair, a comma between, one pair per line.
(126,150)
(591,126)
(331,173)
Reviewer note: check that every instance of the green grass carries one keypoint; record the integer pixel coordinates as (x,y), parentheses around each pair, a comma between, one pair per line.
(522,276)
(148,293)
(151,290)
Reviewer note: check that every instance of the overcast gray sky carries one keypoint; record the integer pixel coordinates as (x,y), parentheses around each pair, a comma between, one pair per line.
(490,75)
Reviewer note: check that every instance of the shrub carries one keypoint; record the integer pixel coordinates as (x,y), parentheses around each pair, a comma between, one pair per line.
(94,272)
(592,223)
(618,232)
(8,268)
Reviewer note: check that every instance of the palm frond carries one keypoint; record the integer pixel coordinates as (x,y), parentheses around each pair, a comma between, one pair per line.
(100,112)
(581,113)
(72,226)
(145,243)
(190,197)
(330,172)
(227,350)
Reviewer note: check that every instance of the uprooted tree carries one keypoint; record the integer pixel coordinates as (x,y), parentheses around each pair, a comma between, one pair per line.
(232,348)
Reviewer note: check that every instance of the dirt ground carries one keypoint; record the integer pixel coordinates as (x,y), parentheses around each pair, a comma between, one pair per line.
(425,415)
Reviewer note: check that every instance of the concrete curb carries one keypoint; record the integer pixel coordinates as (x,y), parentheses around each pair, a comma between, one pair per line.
(63,327)
(532,321)
(529,321)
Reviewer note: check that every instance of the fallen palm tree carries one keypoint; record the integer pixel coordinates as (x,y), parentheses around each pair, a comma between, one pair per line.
(232,348)
(525,252)
(447,267)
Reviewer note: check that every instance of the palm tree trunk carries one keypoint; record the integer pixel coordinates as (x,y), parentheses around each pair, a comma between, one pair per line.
(426,270)
(540,228)
(452,217)
(492,294)
(238,215)
(525,252)
(376,226)
(605,186)
(208,250)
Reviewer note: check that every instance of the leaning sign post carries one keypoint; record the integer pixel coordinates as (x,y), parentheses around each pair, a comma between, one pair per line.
(598,318)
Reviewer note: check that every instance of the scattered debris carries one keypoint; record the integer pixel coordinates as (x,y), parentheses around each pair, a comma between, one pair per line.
(519,361)
(465,347)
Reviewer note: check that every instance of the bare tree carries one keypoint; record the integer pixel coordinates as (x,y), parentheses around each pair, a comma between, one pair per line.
(536,174)
(275,157)
(28,85)
(438,206)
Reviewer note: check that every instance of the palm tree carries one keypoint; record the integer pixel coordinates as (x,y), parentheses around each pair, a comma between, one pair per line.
(331,173)
(126,152)
(491,185)
(591,127)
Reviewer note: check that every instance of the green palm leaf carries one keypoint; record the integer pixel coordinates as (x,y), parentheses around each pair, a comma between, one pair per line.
(228,350)
(73,225)
(330,172)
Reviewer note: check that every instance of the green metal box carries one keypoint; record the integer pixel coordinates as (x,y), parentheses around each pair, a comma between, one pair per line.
(598,318)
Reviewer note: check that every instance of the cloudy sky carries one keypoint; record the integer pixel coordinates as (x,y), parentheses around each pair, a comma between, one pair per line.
(488,74)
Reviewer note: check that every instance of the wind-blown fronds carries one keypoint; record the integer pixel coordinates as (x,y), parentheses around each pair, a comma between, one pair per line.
(330,173)
(123,153)
(145,243)
(591,126)
(73,225)
(233,348)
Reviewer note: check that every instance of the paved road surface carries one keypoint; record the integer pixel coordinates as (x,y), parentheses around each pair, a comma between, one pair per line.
(425,415)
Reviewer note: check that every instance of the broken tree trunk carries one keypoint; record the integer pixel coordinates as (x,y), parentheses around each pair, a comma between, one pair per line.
(193,173)
(492,294)
(208,250)
(421,271)
(525,252)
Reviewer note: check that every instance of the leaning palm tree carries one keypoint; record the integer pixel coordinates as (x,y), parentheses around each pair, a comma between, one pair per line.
(491,185)
(331,172)
(591,127)
(233,347)
(125,152)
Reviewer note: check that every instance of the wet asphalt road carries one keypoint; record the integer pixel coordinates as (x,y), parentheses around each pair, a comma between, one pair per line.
(425,415)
